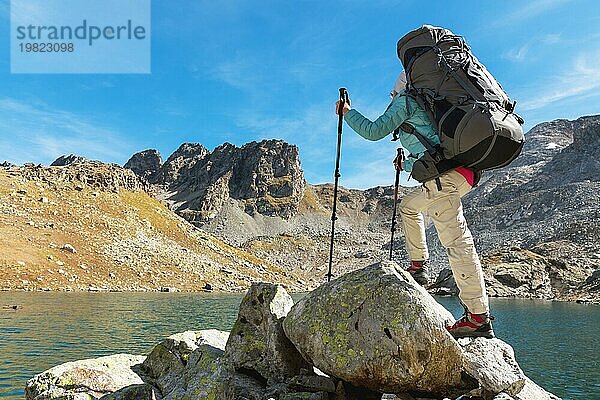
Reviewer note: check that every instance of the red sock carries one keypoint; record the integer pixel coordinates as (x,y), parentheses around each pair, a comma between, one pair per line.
(416,265)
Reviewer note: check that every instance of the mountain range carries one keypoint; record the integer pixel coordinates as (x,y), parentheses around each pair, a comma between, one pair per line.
(536,222)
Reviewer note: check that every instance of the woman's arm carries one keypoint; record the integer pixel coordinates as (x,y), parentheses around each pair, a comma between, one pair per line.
(392,118)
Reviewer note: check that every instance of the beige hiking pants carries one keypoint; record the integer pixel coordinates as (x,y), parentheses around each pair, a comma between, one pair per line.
(445,209)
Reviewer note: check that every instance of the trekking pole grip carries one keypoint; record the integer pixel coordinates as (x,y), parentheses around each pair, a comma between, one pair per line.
(343,98)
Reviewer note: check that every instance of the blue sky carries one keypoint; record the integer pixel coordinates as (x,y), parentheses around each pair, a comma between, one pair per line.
(240,71)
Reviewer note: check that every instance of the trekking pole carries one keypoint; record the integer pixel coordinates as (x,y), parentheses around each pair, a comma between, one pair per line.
(343,101)
(399,158)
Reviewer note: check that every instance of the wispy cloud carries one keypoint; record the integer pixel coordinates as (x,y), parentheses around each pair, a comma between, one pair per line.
(528,50)
(517,54)
(581,79)
(40,134)
(239,73)
(309,128)
(552,38)
(29,12)
(375,172)
(172,107)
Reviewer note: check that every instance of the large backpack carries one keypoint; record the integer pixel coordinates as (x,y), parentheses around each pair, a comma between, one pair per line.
(473,116)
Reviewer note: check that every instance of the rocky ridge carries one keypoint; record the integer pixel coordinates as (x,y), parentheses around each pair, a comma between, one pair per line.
(542,211)
(89,226)
(546,203)
(347,347)
(263,178)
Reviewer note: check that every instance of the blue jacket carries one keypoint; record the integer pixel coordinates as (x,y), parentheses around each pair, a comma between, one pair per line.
(402,109)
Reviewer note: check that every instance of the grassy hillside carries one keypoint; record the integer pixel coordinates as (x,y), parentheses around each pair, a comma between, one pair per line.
(123,238)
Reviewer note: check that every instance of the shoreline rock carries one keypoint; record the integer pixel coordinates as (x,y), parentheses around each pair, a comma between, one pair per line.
(371,332)
(377,328)
(86,379)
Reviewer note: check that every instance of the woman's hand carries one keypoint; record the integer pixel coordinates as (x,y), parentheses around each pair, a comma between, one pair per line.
(345,109)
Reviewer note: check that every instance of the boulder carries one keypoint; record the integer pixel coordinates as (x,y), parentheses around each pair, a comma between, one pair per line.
(257,341)
(312,383)
(133,392)
(69,248)
(347,391)
(188,364)
(531,391)
(376,328)
(503,396)
(86,379)
(242,386)
(492,362)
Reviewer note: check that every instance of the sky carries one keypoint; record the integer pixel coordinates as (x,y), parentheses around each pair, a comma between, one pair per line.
(240,71)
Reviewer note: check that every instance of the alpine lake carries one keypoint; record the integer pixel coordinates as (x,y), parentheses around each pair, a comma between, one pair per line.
(557,344)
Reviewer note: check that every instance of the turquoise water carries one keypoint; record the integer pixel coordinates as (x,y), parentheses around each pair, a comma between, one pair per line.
(557,344)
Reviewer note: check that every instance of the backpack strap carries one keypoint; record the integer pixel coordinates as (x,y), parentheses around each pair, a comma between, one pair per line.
(432,149)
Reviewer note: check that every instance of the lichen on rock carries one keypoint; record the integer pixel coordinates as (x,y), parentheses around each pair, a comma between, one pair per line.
(257,341)
(376,328)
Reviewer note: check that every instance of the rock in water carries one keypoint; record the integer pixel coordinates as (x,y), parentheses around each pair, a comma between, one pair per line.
(258,342)
(86,379)
(376,328)
(188,364)
(532,391)
(492,362)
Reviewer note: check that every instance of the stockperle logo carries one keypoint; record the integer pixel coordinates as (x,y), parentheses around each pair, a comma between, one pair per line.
(80,36)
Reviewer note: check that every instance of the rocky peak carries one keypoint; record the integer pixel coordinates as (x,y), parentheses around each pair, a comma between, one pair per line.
(64,160)
(543,141)
(264,178)
(260,177)
(146,164)
(586,134)
(577,162)
(183,159)
(265,173)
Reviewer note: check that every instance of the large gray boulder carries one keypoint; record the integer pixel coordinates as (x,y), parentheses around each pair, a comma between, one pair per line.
(86,379)
(189,365)
(376,328)
(257,341)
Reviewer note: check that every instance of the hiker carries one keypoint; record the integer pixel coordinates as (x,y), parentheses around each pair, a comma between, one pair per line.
(450,113)
(441,202)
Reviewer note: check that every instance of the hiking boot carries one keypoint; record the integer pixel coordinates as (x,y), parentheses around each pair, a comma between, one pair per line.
(472,325)
(418,270)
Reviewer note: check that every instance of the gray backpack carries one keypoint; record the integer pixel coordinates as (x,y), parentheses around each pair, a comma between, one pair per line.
(473,116)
